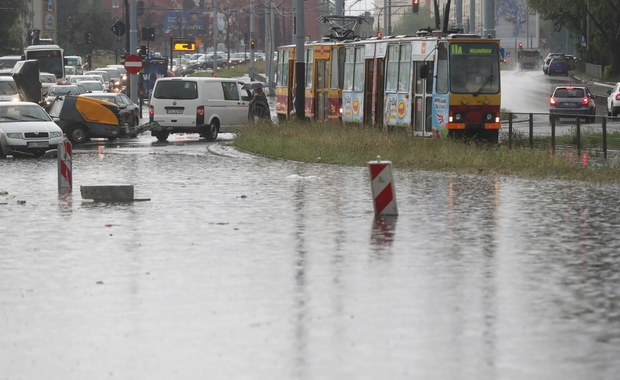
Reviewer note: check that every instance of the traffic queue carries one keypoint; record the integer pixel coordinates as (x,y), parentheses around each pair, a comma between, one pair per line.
(84,104)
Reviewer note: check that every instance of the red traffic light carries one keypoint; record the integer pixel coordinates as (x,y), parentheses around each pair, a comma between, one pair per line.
(415,5)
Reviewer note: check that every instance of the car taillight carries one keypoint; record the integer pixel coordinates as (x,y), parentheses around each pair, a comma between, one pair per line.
(585,101)
(200,115)
(151,113)
(552,101)
(617,96)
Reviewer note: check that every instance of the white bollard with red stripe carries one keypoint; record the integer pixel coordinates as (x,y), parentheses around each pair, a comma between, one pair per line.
(381,183)
(65,176)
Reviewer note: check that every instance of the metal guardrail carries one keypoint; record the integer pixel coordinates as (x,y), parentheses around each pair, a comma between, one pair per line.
(553,128)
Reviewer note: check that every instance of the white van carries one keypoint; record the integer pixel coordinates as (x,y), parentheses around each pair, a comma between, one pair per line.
(206,106)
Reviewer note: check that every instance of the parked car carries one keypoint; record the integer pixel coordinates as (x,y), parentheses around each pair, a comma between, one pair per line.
(613,101)
(571,101)
(237,58)
(8,90)
(548,59)
(7,62)
(129,111)
(558,65)
(198,105)
(26,130)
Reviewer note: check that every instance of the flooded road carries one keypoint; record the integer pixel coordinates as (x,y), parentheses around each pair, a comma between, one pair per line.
(243,267)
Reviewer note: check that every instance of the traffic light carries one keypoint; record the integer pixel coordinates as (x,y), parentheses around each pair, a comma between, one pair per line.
(33,36)
(88,38)
(148,34)
(415,5)
(143,50)
(252,44)
(520,45)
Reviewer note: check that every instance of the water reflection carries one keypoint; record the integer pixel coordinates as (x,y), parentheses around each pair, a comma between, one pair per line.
(383,231)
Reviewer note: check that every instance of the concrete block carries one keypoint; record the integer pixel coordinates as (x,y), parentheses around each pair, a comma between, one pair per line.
(108,193)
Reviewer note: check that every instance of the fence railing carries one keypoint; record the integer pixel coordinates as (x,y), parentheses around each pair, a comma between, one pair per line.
(594,70)
(547,129)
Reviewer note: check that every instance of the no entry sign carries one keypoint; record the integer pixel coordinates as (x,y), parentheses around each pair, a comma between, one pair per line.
(133,64)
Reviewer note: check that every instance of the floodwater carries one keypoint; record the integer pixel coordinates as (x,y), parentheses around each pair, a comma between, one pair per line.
(242,267)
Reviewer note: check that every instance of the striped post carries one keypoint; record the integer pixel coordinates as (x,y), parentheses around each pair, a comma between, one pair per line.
(65,176)
(381,183)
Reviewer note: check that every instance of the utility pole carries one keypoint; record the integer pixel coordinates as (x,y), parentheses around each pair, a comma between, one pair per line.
(472,16)
(489,18)
(459,14)
(133,46)
(386,10)
(252,47)
(215,27)
(272,32)
(268,50)
(300,64)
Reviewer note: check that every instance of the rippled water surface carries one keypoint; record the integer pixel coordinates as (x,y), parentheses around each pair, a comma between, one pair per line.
(240,267)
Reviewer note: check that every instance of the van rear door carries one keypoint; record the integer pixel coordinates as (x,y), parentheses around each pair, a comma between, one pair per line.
(177,101)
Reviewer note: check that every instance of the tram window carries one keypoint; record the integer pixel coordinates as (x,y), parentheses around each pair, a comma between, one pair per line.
(333,79)
(283,68)
(392,68)
(309,66)
(358,81)
(442,68)
(404,76)
(349,68)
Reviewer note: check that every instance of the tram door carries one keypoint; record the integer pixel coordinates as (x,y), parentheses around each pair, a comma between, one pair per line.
(369,70)
(422,101)
(379,84)
(379,91)
(322,61)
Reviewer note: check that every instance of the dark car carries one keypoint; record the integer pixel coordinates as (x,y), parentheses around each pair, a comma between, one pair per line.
(559,65)
(570,101)
(130,111)
(60,90)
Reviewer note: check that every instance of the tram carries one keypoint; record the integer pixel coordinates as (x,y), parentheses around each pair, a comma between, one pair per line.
(431,84)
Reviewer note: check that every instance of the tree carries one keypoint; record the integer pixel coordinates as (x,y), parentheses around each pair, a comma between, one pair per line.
(596,20)
(12,14)
(84,17)
(411,22)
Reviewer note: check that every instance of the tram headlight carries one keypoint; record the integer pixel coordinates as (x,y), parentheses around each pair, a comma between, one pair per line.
(458,117)
(340,110)
(489,117)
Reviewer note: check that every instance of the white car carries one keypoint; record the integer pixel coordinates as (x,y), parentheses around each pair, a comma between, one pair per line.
(26,130)
(93,86)
(613,101)
(8,89)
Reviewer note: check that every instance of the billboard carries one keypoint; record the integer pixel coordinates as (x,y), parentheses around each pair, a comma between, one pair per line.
(186,23)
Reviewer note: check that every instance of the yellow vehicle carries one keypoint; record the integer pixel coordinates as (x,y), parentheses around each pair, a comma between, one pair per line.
(82,118)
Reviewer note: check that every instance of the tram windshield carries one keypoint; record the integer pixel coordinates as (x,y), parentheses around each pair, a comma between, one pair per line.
(474,68)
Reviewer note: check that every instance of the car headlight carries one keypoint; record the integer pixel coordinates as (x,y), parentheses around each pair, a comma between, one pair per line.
(14,135)
(55,134)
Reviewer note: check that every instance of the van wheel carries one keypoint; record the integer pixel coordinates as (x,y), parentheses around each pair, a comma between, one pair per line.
(212,131)
(162,135)
(78,134)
